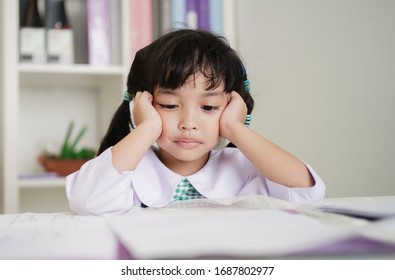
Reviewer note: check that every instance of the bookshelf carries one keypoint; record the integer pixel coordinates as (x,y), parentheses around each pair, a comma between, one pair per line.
(39,100)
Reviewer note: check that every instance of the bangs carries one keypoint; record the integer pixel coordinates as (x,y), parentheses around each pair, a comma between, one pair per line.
(186,55)
(174,72)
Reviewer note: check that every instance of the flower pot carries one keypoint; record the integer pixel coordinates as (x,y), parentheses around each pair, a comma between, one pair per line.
(62,167)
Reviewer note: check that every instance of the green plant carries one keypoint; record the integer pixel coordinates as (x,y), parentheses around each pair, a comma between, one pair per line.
(68,150)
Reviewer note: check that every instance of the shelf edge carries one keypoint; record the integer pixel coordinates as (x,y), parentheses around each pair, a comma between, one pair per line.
(42,183)
(70,69)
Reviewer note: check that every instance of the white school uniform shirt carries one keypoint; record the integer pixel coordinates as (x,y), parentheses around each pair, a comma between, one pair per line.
(98,188)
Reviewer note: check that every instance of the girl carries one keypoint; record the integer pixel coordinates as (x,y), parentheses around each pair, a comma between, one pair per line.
(190,90)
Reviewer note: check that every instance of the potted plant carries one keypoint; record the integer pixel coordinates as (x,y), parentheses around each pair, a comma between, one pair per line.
(69,159)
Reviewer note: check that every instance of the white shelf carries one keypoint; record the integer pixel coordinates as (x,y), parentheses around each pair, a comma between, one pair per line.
(80,69)
(42,183)
(75,75)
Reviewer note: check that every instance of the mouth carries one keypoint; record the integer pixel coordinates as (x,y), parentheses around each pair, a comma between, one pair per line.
(187,142)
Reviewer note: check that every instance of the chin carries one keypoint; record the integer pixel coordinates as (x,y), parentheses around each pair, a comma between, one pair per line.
(188,154)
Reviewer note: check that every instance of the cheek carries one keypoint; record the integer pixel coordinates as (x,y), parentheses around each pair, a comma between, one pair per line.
(168,121)
(211,126)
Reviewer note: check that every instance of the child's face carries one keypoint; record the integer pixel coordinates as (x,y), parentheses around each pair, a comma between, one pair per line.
(190,121)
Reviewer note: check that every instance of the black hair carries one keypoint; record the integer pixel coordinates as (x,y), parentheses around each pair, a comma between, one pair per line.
(169,61)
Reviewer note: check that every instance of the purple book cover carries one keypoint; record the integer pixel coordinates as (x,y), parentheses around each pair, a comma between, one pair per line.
(98,32)
(191,17)
(203,14)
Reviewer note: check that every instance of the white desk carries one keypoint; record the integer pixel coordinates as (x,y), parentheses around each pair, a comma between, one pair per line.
(248,227)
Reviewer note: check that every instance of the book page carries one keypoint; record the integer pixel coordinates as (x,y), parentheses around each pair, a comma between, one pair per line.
(222,232)
(55,236)
(363,207)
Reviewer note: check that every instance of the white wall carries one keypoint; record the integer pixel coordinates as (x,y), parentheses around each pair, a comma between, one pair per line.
(323,77)
(1,110)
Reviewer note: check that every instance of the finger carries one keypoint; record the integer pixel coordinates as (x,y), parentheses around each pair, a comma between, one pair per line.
(230,97)
(145,95)
(236,95)
(150,97)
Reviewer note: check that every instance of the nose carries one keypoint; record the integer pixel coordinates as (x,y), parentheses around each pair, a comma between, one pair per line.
(187,121)
(188,126)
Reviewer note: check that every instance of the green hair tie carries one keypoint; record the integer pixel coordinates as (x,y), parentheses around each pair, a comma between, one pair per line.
(126,96)
(247,85)
(247,121)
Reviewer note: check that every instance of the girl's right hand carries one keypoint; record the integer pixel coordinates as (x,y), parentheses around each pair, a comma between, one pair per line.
(144,111)
(128,152)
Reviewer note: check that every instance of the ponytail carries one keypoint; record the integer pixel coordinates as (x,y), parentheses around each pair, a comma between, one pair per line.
(248,100)
(119,127)
(121,123)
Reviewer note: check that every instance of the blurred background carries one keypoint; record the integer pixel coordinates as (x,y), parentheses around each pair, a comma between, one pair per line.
(322,75)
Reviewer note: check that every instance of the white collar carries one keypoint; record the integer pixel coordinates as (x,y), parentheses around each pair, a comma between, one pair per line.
(154,183)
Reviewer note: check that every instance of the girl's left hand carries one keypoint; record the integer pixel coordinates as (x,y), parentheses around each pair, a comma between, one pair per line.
(233,115)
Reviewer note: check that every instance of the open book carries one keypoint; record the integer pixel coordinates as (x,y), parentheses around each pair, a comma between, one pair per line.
(242,227)
(246,227)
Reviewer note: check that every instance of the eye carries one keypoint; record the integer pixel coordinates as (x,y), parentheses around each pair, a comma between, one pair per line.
(209,108)
(168,106)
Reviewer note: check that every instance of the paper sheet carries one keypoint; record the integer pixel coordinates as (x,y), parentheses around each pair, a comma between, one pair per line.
(218,232)
(383,230)
(244,227)
(364,207)
(55,236)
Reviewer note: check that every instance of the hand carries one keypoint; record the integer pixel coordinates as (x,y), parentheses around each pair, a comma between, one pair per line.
(128,152)
(233,115)
(144,111)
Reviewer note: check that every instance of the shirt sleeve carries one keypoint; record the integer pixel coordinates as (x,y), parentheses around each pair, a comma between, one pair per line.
(98,188)
(233,174)
(298,195)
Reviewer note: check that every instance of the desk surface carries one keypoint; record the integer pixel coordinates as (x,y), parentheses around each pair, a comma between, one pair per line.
(246,227)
